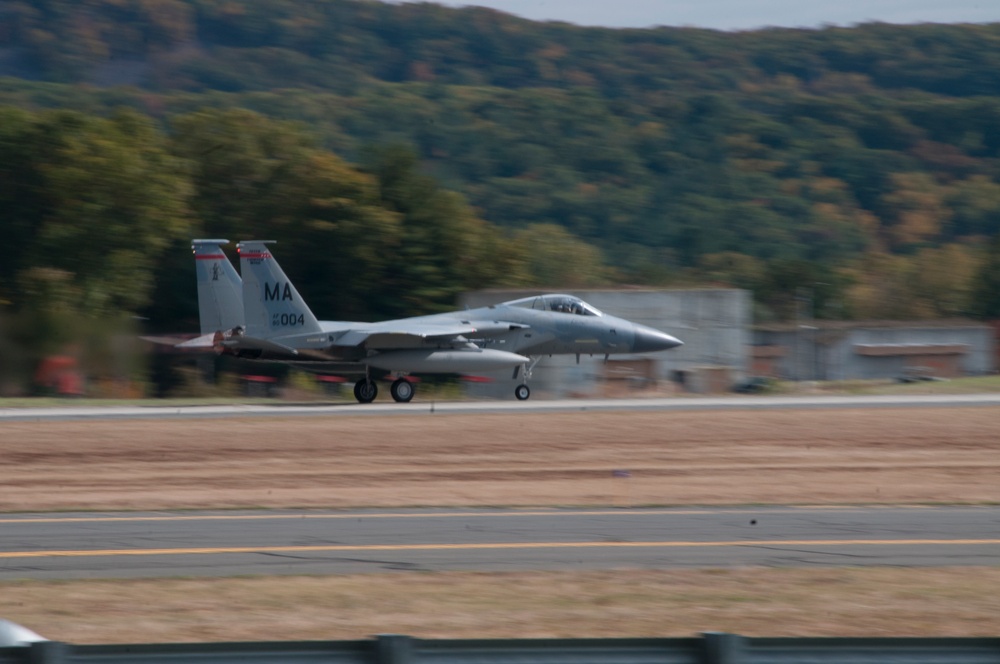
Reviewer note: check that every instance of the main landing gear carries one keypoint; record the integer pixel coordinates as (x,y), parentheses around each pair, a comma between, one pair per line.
(365,390)
(402,390)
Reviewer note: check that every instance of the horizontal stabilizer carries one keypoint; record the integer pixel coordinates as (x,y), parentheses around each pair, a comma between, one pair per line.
(253,343)
(165,340)
(203,341)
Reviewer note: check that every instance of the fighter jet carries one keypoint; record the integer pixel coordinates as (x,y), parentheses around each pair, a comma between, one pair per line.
(275,324)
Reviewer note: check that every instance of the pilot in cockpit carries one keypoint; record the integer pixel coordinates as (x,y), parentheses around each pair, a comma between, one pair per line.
(567,306)
(562,305)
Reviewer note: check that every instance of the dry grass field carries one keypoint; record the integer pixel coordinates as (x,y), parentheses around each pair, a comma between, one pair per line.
(823,456)
(752,601)
(863,456)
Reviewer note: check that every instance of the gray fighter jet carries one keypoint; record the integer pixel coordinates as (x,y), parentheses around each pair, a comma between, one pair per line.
(264,318)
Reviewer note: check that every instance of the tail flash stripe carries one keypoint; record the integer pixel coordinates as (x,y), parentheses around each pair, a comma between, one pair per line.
(207,257)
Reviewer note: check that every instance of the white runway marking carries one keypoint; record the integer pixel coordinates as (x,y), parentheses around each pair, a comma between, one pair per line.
(478,407)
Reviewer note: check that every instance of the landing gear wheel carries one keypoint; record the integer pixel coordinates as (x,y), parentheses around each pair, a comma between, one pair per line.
(402,390)
(365,390)
(522,392)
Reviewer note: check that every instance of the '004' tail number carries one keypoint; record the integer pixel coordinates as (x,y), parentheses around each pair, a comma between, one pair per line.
(287,320)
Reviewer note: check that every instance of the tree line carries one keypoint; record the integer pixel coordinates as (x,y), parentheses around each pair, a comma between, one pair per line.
(343,45)
(99,212)
(404,152)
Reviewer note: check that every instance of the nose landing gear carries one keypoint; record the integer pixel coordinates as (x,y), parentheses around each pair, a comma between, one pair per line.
(522,391)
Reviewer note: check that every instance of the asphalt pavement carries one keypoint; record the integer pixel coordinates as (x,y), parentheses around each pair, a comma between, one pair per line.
(132,545)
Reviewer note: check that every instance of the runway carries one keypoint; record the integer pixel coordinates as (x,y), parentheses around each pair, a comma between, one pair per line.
(418,406)
(143,545)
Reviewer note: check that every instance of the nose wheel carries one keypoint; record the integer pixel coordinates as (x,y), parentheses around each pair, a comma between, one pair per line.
(522,391)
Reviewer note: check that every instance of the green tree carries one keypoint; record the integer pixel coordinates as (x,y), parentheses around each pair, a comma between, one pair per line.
(101,200)
(976,205)
(789,289)
(941,279)
(92,203)
(443,248)
(985,295)
(256,178)
(20,199)
(554,258)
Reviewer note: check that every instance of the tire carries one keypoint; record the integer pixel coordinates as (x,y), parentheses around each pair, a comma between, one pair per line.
(522,392)
(365,390)
(402,390)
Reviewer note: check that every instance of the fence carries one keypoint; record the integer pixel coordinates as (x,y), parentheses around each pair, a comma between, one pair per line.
(711,648)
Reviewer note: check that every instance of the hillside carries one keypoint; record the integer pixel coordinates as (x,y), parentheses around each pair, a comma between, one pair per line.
(854,162)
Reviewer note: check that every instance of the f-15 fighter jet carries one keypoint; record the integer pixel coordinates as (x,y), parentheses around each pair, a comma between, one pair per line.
(263,317)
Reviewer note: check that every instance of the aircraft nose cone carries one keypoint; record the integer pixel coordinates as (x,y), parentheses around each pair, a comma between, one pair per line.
(648,340)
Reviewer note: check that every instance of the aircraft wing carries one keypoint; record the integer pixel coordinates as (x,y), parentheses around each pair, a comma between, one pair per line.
(269,346)
(405,334)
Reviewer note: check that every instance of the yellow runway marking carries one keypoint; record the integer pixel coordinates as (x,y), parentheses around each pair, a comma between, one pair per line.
(333,548)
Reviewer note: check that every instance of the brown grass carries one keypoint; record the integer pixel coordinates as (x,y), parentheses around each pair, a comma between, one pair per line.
(752,601)
(935,455)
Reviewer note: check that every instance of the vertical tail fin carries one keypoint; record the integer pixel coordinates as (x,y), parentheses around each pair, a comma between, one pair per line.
(272,306)
(220,290)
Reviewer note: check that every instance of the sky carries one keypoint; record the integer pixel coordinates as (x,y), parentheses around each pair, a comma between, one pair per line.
(743,14)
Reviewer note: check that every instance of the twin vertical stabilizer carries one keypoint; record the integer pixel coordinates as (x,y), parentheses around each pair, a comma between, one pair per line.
(220,290)
(273,307)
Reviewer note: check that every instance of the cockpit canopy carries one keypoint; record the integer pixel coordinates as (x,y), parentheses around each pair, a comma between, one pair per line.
(566,304)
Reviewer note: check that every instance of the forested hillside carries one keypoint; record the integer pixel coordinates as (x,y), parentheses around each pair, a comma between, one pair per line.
(858,168)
